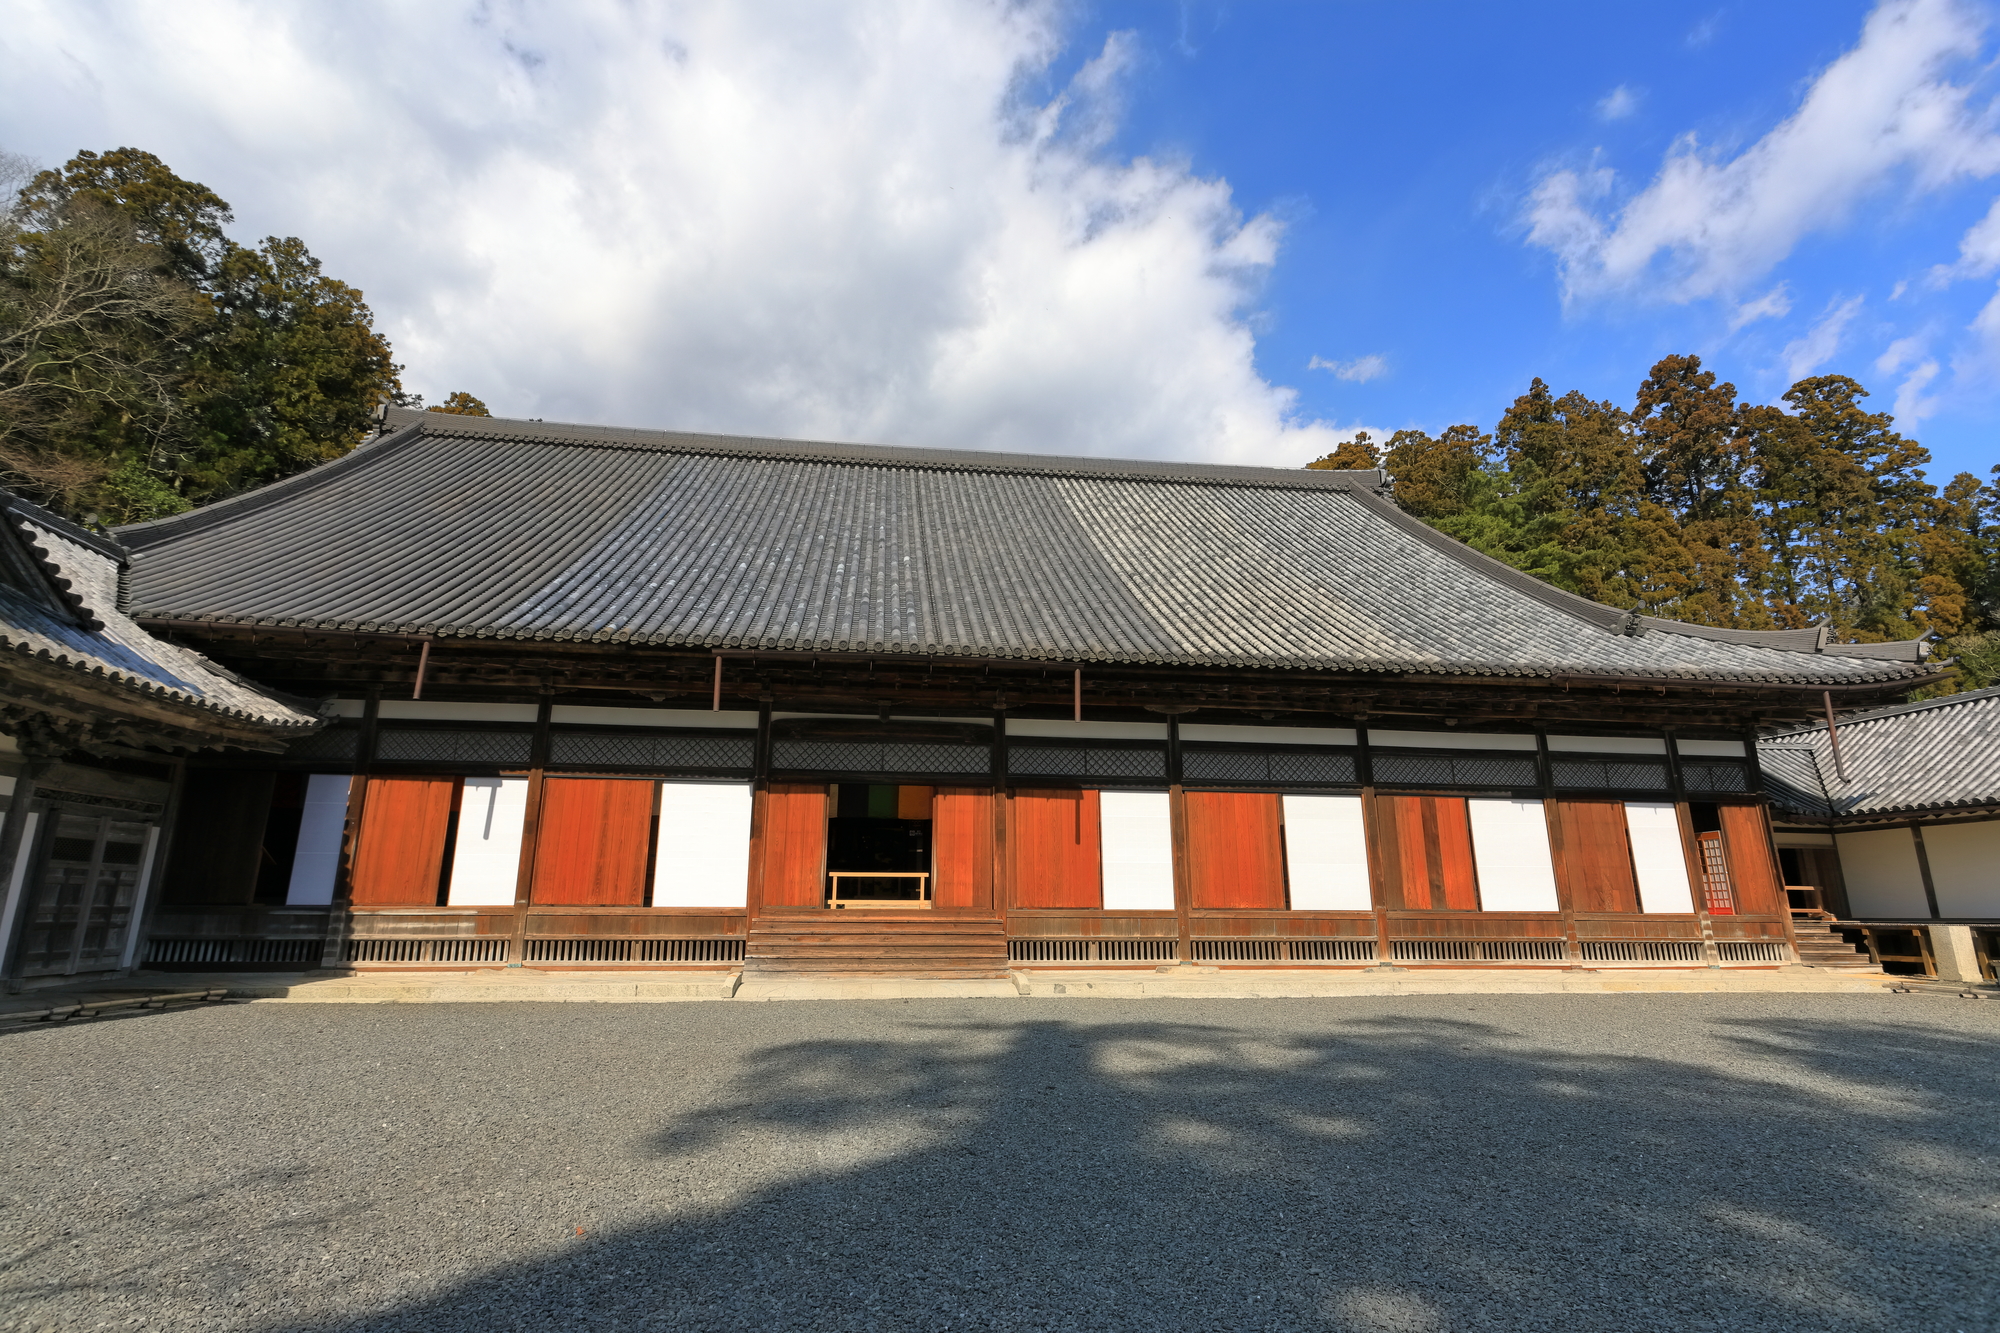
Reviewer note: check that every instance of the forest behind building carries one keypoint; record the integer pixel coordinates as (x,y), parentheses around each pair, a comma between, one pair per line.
(150,363)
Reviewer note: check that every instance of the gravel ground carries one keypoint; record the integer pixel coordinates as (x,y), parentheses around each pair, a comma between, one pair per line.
(1821,1162)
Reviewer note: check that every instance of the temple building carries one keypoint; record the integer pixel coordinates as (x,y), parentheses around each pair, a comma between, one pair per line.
(603,698)
(96,719)
(1890,820)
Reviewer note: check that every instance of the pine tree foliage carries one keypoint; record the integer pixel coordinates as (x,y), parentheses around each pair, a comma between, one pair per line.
(1691,505)
(149,363)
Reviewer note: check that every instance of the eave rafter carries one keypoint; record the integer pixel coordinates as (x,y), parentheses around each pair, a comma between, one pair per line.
(312,662)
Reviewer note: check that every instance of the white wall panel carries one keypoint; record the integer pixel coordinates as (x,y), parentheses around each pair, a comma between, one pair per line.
(1103,731)
(1450,740)
(1138,851)
(419,709)
(704,849)
(1608,744)
(601,715)
(1711,749)
(1510,848)
(1202,731)
(1965,867)
(486,858)
(321,825)
(1659,856)
(1880,868)
(1326,853)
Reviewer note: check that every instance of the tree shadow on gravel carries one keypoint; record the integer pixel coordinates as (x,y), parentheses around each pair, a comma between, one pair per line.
(1377,1173)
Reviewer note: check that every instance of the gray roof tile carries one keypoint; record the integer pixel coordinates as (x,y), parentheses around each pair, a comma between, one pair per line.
(484,527)
(1929,756)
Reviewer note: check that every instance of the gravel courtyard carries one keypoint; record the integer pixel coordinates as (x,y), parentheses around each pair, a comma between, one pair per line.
(1677,1162)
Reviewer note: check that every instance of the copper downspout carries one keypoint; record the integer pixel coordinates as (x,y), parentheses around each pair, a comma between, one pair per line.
(716,707)
(423,665)
(1833,735)
(1079,694)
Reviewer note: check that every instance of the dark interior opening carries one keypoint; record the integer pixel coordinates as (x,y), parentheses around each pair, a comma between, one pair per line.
(281,839)
(871,831)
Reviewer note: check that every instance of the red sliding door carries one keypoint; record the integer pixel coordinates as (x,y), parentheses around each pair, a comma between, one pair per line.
(1594,869)
(794,838)
(592,842)
(1236,849)
(1426,844)
(1054,846)
(399,851)
(1752,870)
(962,847)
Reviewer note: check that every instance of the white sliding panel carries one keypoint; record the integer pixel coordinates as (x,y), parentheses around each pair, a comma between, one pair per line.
(10,908)
(1658,856)
(1326,853)
(1965,867)
(1510,848)
(486,859)
(1883,879)
(321,825)
(1138,851)
(704,848)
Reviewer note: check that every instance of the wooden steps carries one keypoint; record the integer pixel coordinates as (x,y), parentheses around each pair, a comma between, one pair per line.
(1821,945)
(875,943)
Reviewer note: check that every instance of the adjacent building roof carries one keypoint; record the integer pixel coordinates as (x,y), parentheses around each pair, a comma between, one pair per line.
(59,606)
(483,527)
(1930,757)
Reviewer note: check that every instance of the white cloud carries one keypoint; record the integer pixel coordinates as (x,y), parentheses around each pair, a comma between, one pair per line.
(1978,250)
(834,221)
(1807,354)
(1358,371)
(1707,225)
(1911,406)
(1774,304)
(1617,104)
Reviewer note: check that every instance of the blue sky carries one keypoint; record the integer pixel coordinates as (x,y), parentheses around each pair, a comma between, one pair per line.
(1231,232)
(1399,142)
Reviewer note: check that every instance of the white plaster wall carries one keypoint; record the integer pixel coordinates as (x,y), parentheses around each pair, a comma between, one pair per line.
(1326,853)
(320,827)
(1102,731)
(1449,740)
(1880,867)
(420,709)
(1711,749)
(703,858)
(486,858)
(1138,850)
(1510,849)
(1201,731)
(593,715)
(1965,867)
(1659,856)
(1608,744)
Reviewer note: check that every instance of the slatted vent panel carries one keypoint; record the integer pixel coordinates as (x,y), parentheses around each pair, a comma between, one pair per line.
(1092,951)
(1641,951)
(1304,767)
(690,951)
(427,951)
(1705,775)
(1477,951)
(1284,951)
(1751,951)
(1609,774)
(454,747)
(1063,761)
(224,952)
(667,753)
(386,951)
(880,757)
(1454,770)
(333,743)
(551,950)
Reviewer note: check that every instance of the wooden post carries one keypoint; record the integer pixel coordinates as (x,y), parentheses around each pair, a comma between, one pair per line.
(1378,888)
(531,828)
(1923,869)
(1545,786)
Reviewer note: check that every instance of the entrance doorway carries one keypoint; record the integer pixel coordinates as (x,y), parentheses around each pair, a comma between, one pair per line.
(81,908)
(878,847)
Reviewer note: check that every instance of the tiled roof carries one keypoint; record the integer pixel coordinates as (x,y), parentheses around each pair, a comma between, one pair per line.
(470,526)
(79,625)
(1931,756)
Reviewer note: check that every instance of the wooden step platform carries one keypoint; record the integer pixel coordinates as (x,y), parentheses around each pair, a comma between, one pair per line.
(875,943)
(1821,945)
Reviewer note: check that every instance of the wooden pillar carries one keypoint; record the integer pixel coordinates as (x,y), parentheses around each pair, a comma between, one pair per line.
(1753,769)
(1378,888)
(1003,883)
(1178,838)
(17,854)
(1923,870)
(1545,786)
(1689,852)
(531,825)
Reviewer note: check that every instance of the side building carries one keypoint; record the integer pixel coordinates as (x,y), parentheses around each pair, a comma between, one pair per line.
(97,718)
(1889,821)
(622,698)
